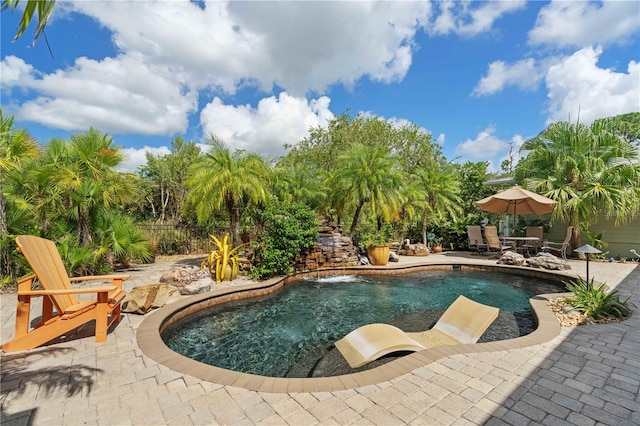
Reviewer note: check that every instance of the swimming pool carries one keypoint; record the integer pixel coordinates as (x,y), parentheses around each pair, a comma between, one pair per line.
(291,332)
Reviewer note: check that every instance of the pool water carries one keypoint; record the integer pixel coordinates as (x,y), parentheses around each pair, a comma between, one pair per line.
(272,335)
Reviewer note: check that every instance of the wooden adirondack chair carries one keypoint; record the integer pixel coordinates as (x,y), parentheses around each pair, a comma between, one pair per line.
(57,292)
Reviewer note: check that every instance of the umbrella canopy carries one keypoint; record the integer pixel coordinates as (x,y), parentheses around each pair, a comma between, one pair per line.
(516,200)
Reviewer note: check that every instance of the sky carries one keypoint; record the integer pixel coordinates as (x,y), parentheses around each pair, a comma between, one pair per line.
(481,77)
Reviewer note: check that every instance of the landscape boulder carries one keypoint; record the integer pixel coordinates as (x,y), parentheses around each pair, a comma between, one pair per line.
(548,261)
(142,299)
(183,275)
(393,257)
(196,287)
(511,258)
(418,249)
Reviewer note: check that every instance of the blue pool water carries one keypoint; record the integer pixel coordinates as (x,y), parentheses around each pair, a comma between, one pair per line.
(270,334)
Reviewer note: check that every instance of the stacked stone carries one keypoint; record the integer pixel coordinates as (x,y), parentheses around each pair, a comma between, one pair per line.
(333,250)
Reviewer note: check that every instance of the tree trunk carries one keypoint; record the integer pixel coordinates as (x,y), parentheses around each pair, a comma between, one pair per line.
(234,221)
(424,227)
(84,231)
(356,216)
(7,269)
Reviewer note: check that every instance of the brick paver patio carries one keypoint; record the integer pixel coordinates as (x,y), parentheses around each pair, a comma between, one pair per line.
(588,375)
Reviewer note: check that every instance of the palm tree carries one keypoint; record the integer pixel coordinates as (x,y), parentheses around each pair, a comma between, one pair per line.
(233,181)
(16,149)
(439,189)
(367,175)
(88,177)
(297,181)
(44,8)
(587,170)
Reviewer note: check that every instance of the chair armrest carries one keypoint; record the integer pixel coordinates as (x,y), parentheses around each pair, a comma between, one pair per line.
(101,277)
(68,291)
(117,279)
(550,243)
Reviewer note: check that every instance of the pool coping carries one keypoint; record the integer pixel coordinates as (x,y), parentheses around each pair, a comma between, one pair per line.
(151,344)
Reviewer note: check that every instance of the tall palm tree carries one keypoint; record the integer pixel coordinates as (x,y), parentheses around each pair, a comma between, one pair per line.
(16,148)
(587,170)
(366,175)
(221,179)
(439,189)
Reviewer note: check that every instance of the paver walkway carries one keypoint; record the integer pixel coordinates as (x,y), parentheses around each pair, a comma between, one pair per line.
(586,376)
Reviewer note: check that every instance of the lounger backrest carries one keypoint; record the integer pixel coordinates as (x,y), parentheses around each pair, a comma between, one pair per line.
(491,234)
(44,258)
(466,320)
(474,232)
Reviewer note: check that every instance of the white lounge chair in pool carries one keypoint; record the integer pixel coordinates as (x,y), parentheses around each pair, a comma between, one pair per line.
(463,322)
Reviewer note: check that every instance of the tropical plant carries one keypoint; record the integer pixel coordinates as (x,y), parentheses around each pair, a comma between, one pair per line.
(222,262)
(587,170)
(44,9)
(119,240)
(595,301)
(370,176)
(78,260)
(286,231)
(300,182)
(87,178)
(16,149)
(220,179)
(596,239)
(439,188)
(371,236)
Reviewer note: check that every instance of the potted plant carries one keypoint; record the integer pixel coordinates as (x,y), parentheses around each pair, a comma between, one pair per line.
(376,242)
(435,243)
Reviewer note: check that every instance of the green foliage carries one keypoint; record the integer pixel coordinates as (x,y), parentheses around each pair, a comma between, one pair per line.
(44,9)
(78,260)
(595,301)
(118,239)
(370,236)
(587,170)
(596,239)
(227,180)
(288,229)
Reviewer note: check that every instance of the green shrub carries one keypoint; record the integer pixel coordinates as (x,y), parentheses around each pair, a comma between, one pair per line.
(594,301)
(288,229)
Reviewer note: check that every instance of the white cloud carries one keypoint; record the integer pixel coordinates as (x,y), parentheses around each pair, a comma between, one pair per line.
(488,147)
(525,74)
(577,84)
(115,95)
(300,46)
(582,23)
(484,147)
(135,157)
(461,18)
(266,128)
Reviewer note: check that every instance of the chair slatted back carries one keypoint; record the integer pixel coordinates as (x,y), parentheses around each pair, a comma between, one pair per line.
(535,231)
(491,234)
(44,258)
(474,232)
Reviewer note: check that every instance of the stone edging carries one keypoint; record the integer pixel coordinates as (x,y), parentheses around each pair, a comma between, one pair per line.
(151,344)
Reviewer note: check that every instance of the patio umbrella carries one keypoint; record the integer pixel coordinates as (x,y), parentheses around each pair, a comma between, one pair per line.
(517,200)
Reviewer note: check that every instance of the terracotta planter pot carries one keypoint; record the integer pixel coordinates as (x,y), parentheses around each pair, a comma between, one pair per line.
(378,255)
(436,249)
